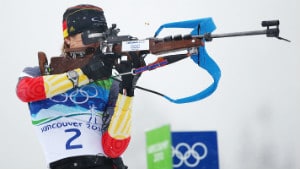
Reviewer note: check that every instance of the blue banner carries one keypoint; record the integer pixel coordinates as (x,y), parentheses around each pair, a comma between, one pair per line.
(195,150)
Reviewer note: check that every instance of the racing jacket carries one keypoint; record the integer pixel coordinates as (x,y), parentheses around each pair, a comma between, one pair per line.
(91,119)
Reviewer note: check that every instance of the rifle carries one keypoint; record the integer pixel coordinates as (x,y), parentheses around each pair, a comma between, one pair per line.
(111,43)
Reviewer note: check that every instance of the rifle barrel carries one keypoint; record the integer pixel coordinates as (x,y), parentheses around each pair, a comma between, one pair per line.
(247,33)
(268,32)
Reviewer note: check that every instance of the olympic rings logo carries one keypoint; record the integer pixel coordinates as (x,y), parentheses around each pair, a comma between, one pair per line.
(84,93)
(190,156)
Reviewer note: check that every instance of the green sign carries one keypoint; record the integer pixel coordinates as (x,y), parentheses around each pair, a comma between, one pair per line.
(159,151)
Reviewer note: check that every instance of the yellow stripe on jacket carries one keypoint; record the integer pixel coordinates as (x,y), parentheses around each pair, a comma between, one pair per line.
(59,83)
(120,124)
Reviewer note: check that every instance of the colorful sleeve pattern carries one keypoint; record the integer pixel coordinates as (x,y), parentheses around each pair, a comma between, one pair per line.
(38,88)
(116,139)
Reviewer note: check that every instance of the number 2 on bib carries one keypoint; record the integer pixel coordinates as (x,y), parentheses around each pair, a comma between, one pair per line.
(69,144)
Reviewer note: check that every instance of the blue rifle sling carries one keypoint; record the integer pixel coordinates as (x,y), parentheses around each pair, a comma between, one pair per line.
(202,59)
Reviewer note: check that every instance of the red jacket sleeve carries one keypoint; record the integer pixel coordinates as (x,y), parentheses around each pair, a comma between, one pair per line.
(31,89)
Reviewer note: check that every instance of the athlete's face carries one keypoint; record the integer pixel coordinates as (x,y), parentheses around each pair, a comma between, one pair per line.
(75,41)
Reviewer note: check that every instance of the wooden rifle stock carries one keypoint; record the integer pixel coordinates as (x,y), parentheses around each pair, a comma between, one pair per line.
(43,62)
(161,45)
(165,46)
(60,64)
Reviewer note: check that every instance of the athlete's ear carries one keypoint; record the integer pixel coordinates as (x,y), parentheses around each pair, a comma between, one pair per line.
(67,40)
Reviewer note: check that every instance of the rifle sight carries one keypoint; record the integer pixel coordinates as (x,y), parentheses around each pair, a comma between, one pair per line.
(270,23)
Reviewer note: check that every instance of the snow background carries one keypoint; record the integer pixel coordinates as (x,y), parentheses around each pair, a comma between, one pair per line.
(255,109)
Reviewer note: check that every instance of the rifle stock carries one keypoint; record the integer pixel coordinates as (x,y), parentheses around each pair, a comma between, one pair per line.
(155,45)
(43,62)
(165,46)
(60,64)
